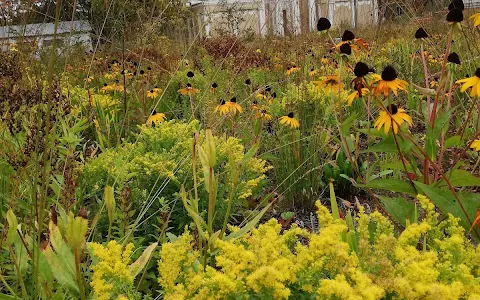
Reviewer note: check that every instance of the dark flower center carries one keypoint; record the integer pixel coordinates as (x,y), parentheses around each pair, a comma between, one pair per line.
(477,72)
(274,95)
(455,15)
(255,102)
(323,24)
(348,36)
(421,33)
(222,102)
(105,84)
(268,88)
(346,49)
(247,81)
(290,115)
(142,71)
(361,69)
(154,112)
(149,68)
(453,58)
(151,91)
(331,81)
(456,4)
(189,85)
(389,74)
(392,109)
(233,100)
(190,74)
(264,111)
(214,85)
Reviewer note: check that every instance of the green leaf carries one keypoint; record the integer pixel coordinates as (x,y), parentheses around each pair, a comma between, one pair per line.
(142,261)
(251,153)
(400,209)
(12,227)
(347,124)
(424,91)
(249,226)
(392,185)
(388,146)
(333,202)
(109,202)
(453,141)
(460,178)
(446,202)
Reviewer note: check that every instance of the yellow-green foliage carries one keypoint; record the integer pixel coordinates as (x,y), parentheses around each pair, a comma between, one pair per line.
(163,154)
(428,260)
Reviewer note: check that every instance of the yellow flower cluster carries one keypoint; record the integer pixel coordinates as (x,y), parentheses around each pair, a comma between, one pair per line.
(428,260)
(111,271)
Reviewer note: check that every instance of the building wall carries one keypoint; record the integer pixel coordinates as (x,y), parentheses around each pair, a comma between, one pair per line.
(283,17)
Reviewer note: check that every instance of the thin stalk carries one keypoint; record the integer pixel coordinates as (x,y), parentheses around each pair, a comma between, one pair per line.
(425,71)
(48,127)
(211,201)
(19,273)
(440,90)
(79,275)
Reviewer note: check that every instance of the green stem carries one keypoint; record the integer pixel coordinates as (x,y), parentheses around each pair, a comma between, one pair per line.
(19,273)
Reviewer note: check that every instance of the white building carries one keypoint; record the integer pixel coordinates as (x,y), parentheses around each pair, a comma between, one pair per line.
(280,17)
(68,33)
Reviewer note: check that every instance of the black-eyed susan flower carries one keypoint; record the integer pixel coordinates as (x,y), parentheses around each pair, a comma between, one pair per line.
(348,36)
(454,58)
(421,33)
(292,70)
(263,115)
(329,83)
(471,82)
(214,87)
(222,108)
(346,49)
(155,118)
(455,16)
(388,81)
(361,69)
(152,93)
(475,145)
(323,24)
(456,4)
(476,19)
(255,105)
(289,120)
(312,72)
(188,90)
(234,106)
(324,60)
(357,94)
(393,117)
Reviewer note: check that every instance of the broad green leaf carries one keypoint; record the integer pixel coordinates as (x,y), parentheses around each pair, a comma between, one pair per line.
(12,227)
(392,185)
(142,261)
(351,234)
(249,226)
(400,209)
(333,203)
(251,153)
(347,124)
(453,141)
(461,178)
(109,199)
(446,202)
(388,146)
(424,91)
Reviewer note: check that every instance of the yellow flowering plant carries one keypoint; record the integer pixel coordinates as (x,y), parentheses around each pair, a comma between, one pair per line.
(430,259)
